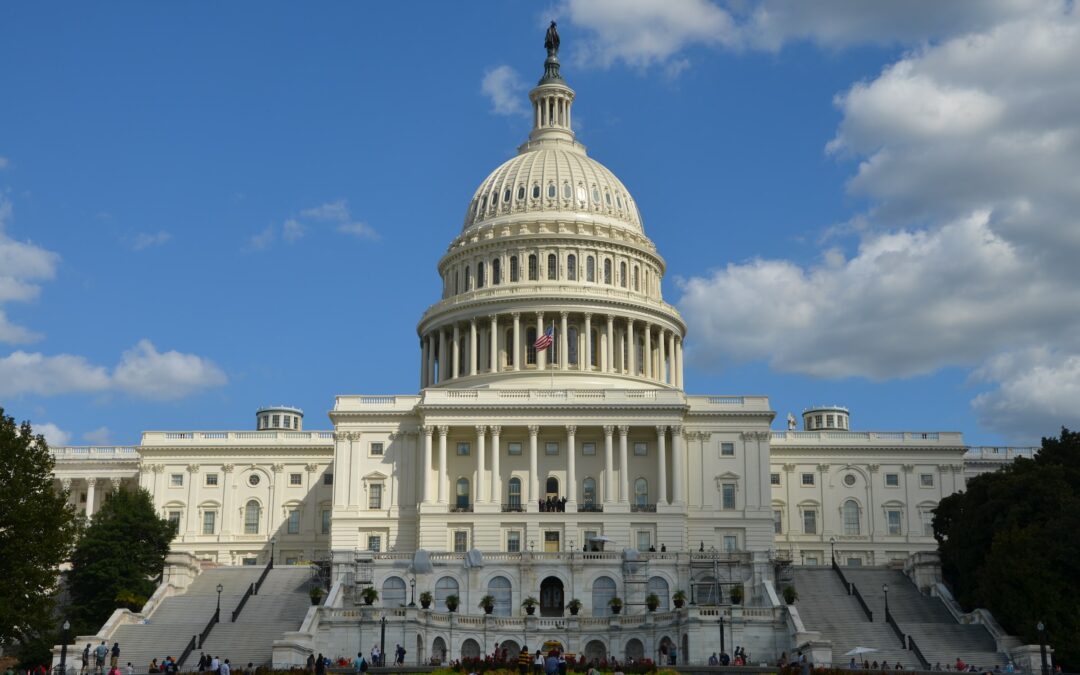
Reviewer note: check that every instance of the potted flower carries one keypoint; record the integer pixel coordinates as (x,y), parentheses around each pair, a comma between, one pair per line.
(316,594)
(370,595)
(615,604)
(425,599)
(737,594)
(487,603)
(452,602)
(790,595)
(652,601)
(679,599)
(574,606)
(530,604)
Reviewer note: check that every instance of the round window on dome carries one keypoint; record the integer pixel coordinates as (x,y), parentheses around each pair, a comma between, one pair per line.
(536,192)
(595,196)
(521,192)
(253,479)
(551,191)
(581,194)
(849,479)
(567,191)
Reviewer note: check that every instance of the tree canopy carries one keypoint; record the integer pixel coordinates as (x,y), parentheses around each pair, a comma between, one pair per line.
(37,529)
(1010,543)
(118,557)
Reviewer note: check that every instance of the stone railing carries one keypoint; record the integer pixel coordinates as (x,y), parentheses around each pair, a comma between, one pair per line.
(237,437)
(516,397)
(125,453)
(827,437)
(984,453)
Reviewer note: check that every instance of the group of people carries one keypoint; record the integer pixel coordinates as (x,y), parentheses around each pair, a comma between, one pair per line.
(553,504)
(738,658)
(552,664)
(93,660)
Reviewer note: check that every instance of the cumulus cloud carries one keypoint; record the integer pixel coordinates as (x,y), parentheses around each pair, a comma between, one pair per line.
(99,436)
(335,213)
(292,230)
(142,371)
(504,86)
(53,434)
(145,240)
(23,266)
(1037,390)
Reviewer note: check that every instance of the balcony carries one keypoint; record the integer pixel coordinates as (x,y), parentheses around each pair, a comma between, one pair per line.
(461,508)
(643,508)
(590,508)
(513,507)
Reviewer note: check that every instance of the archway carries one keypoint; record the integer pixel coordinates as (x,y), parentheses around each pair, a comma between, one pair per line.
(551,597)
(470,649)
(509,650)
(595,650)
(684,655)
(419,650)
(664,651)
(438,650)
(634,650)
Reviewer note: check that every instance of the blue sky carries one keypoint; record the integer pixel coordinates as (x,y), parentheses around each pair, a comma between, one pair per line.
(209,208)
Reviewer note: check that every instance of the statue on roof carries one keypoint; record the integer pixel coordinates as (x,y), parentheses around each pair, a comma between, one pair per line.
(791,423)
(551,40)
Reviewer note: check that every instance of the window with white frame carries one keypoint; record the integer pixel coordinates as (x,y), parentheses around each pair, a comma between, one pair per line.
(731,543)
(926,480)
(174,518)
(551,448)
(374,543)
(176,480)
(892,480)
(513,541)
(375,496)
(851,517)
(644,540)
(588,448)
(325,521)
(641,449)
(296,479)
(513,448)
(727,494)
(463,448)
(461,541)
(809,517)
(778,521)
(211,479)
(774,479)
(927,517)
(328,478)
(808,479)
(376,449)
(252,515)
(294,521)
(209,522)
(895,519)
(727,449)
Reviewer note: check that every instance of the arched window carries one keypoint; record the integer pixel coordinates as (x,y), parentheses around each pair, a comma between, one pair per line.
(480,276)
(572,345)
(510,346)
(552,266)
(443,587)
(457,278)
(551,487)
(536,191)
(590,269)
(463,355)
(252,516)
(622,274)
(500,588)
(393,592)
(496,271)
(506,195)
(607,271)
(532,267)
(634,278)
(462,496)
(468,279)
(571,267)
(603,590)
(659,586)
(515,275)
(551,191)
(567,191)
(513,493)
(521,192)
(530,346)
(588,492)
(851,517)
(641,492)
(707,590)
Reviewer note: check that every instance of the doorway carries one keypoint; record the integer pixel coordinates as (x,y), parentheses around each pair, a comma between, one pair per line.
(551,597)
(551,541)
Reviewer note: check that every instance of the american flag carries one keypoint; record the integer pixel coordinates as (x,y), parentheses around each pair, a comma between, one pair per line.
(545,340)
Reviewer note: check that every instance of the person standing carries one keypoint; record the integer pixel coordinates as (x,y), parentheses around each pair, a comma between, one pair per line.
(85,660)
(99,657)
(225,669)
(523,661)
(115,661)
(320,665)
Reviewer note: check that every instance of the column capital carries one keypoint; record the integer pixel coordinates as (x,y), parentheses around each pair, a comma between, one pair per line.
(311,468)
(630,322)
(609,430)
(874,468)
(563,315)
(587,315)
(91,481)
(624,429)
(495,430)
(534,430)
(481,429)
(472,321)
(193,468)
(571,429)
(611,318)
(493,317)
(277,468)
(661,430)
(65,483)
(443,430)
(427,429)
(676,429)
(515,315)
(341,435)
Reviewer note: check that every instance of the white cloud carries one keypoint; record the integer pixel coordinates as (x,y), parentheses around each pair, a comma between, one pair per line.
(4,163)
(147,239)
(142,371)
(15,334)
(358,229)
(54,435)
(1037,393)
(264,239)
(335,213)
(292,230)
(99,436)
(505,88)
(23,265)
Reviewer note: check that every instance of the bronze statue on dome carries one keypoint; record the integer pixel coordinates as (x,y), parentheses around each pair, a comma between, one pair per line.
(551,40)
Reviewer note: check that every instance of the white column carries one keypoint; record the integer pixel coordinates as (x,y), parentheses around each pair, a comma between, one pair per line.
(443,430)
(678,449)
(517,341)
(609,466)
(584,360)
(431,359)
(192,500)
(425,470)
(481,469)
(564,357)
(541,356)
(671,358)
(90,484)
(473,345)
(609,367)
(534,476)
(455,349)
(571,469)
(225,527)
(678,363)
(493,345)
(496,480)
(631,349)
(624,467)
(423,361)
(444,358)
(662,375)
(647,354)
(661,451)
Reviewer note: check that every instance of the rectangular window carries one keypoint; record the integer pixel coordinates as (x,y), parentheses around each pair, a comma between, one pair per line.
(928,524)
(808,479)
(209,522)
(461,541)
(328,478)
(326,521)
(830,421)
(374,543)
(376,449)
(294,522)
(513,448)
(641,449)
(644,540)
(463,448)
(551,448)
(778,521)
(810,560)
(513,541)
(291,560)
(809,520)
(251,562)
(892,480)
(174,518)
(277,420)
(727,449)
(926,480)
(894,521)
(295,479)
(588,536)
(251,519)
(727,491)
(211,479)
(176,480)
(375,496)
(588,448)
(774,479)
(731,543)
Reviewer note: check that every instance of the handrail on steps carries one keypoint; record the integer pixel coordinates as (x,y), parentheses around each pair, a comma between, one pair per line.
(918,653)
(214,618)
(262,577)
(896,629)
(187,650)
(862,603)
(243,601)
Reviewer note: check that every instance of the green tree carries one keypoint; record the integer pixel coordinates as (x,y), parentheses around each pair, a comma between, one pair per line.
(1009,543)
(37,529)
(119,555)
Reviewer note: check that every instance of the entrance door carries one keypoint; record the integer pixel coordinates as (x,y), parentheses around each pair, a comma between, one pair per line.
(551,597)
(551,542)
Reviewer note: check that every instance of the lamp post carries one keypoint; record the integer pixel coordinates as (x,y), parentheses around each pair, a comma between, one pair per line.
(382,642)
(217,613)
(832,548)
(885,590)
(1042,647)
(273,540)
(64,643)
(722,631)
(532,546)
(412,592)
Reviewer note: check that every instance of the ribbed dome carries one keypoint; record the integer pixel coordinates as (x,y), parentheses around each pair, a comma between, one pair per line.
(562,182)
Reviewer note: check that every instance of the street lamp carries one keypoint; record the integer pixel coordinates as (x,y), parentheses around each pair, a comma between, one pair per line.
(1042,647)
(63,648)
(412,591)
(217,615)
(382,643)
(885,590)
(832,547)
(532,546)
(273,540)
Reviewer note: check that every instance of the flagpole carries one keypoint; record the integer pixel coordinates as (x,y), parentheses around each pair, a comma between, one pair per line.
(551,350)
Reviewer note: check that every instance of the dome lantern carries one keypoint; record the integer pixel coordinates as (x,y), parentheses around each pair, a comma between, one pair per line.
(552,98)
